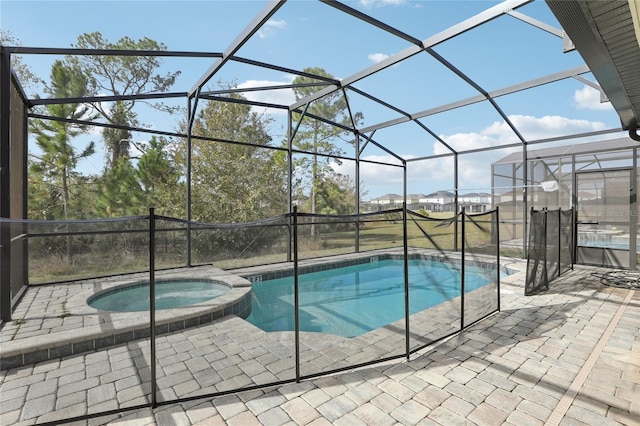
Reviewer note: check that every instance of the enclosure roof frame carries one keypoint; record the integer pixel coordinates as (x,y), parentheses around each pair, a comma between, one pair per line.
(507,7)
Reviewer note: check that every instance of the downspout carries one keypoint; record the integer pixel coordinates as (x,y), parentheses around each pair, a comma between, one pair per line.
(633,131)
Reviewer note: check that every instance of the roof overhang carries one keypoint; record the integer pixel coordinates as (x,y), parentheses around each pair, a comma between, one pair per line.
(607,35)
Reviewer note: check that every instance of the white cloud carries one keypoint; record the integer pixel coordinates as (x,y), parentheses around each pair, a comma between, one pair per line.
(280,96)
(465,141)
(378,179)
(381,3)
(474,169)
(589,98)
(269,27)
(377,57)
(539,127)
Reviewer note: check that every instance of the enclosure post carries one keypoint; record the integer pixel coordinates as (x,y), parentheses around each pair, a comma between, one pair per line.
(296,296)
(559,241)
(25,192)
(498,252)
(152,303)
(525,200)
(357,144)
(573,240)
(405,244)
(404,181)
(462,213)
(5,187)
(633,215)
(455,201)
(188,212)
(289,181)
(574,204)
(546,238)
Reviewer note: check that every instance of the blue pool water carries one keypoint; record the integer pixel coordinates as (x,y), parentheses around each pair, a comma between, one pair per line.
(353,300)
(604,244)
(169,294)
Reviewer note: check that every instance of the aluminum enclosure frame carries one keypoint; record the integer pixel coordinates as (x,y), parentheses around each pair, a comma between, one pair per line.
(363,135)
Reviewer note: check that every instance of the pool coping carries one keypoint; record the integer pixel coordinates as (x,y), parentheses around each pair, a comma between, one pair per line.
(285,269)
(513,266)
(122,327)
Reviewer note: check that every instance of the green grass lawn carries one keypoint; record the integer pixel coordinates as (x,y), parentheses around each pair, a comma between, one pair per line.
(373,235)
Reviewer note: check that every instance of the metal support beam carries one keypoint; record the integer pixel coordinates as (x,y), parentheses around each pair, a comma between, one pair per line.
(112,98)
(456,204)
(567,44)
(191,113)
(358,195)
(603,96)
(393,154)
(477,87)
(404,113)
(525,199)
(551,78)
(152,305)
(538,24)
(25,50)
(462,27)
(290,135)
(5,187)
(269,10)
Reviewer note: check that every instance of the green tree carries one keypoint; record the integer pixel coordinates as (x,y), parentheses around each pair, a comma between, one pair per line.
(336,195)
(137,183)
(59,156)
(120,192)
(27,78)
(159,178)
(234,182)
(117,141)
(319,137)
(120,75)
(43,198)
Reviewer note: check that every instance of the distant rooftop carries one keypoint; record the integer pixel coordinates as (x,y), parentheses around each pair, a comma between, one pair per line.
(573,149)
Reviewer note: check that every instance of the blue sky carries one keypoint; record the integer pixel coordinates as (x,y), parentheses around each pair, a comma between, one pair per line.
(306,33)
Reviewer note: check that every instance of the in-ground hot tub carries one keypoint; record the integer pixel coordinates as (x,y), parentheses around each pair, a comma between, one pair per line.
(169,294)
(96,328)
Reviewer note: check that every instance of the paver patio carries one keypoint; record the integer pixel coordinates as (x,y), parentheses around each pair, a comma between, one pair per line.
(567,356)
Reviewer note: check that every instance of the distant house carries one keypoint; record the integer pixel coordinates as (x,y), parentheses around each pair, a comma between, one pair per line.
(475,198)
(439,201)
(387,199)
(439,197)
(475,202)
(390,201)
(414,198)
(586,196)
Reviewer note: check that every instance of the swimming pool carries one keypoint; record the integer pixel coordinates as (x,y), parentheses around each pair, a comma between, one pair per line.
(604,244)
(169,294)
(356,299)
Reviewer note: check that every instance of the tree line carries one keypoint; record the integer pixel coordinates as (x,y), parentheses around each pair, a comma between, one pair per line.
(231,182)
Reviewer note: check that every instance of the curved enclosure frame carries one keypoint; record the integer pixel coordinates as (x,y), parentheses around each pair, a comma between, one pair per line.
(286,228)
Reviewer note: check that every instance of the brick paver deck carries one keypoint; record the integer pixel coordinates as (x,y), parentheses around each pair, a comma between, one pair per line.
(569,356)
